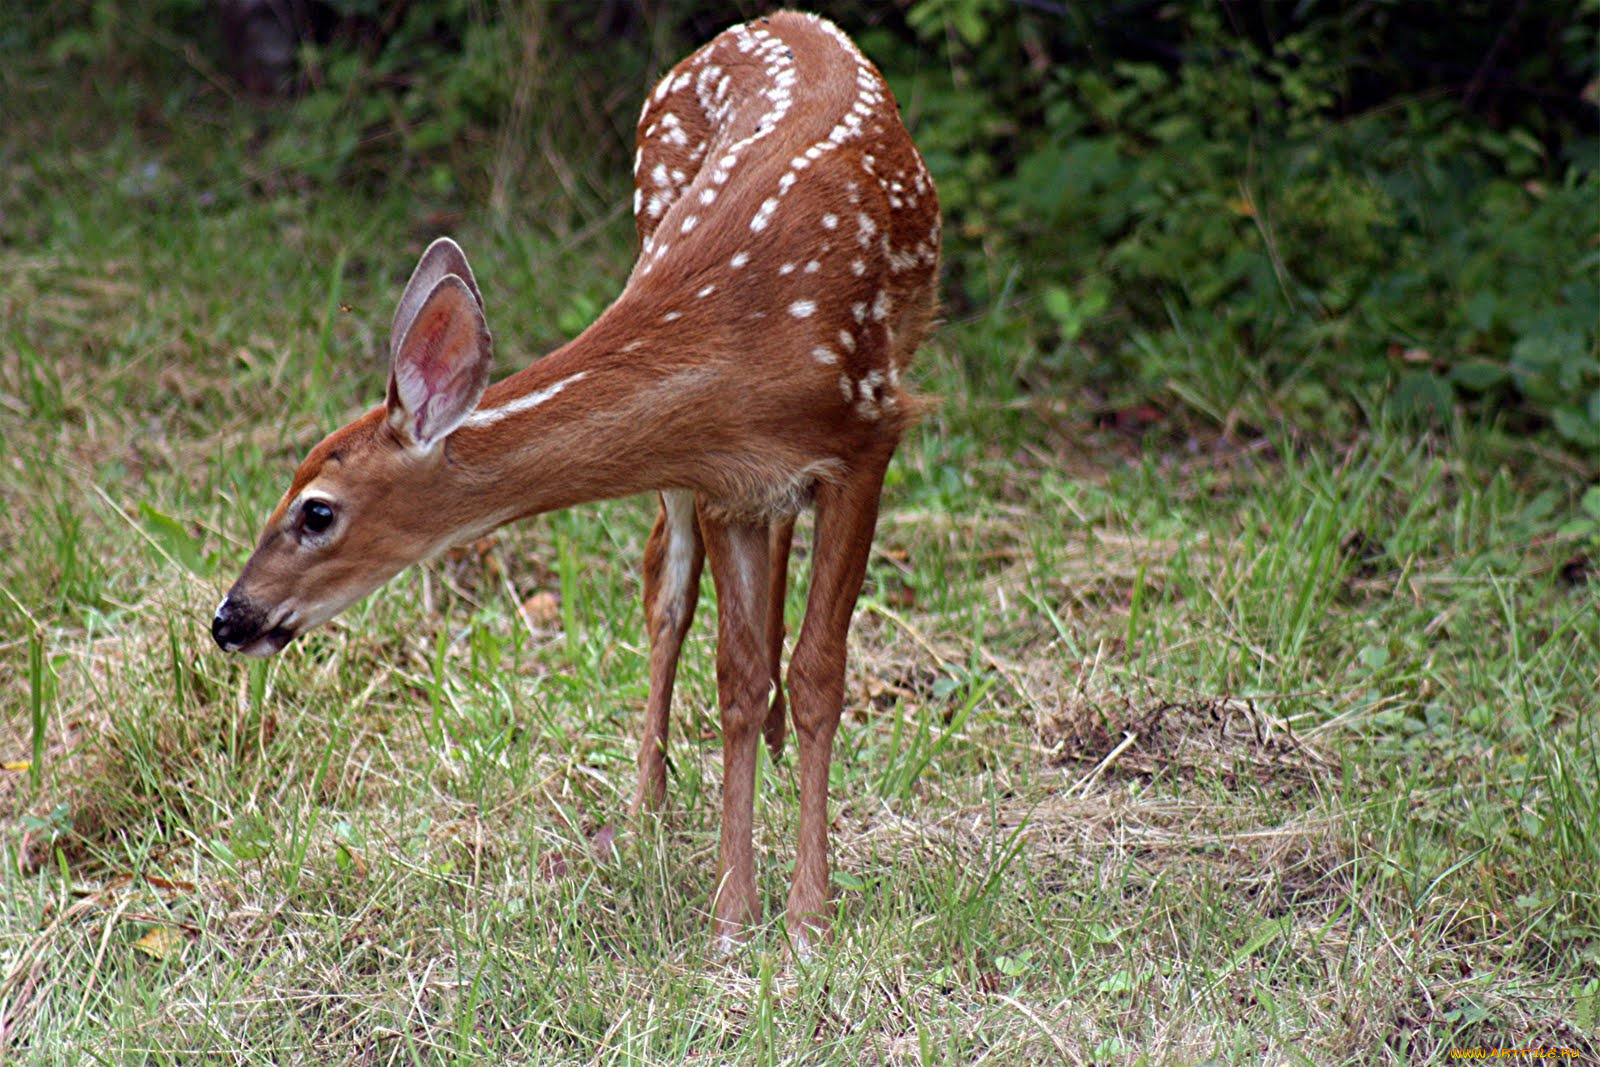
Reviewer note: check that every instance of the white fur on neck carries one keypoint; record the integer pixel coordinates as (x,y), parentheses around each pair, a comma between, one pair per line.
(488,416)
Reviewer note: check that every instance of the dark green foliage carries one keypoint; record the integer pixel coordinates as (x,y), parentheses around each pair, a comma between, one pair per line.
(1261,211)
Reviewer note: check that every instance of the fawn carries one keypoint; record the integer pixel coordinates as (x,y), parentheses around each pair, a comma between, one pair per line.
(788,258)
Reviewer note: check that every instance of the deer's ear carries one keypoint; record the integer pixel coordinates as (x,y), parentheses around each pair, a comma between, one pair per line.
(443,257)
(440,366)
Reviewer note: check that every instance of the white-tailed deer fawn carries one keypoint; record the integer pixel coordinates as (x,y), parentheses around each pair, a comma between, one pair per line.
(789,249)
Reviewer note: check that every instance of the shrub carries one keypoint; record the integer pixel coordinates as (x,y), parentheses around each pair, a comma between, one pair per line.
(1281,196)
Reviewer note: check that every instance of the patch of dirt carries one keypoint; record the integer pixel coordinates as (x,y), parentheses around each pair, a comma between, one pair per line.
(1225,740)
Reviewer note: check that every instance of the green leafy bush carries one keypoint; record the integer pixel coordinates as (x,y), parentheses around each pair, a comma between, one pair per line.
(1283,219)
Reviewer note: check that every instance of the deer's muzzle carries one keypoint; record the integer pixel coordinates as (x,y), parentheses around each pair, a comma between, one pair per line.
(241,625)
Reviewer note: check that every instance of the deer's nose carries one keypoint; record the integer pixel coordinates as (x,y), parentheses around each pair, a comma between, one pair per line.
(232,627)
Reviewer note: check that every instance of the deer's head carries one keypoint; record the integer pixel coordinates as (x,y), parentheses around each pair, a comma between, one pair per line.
(366,504)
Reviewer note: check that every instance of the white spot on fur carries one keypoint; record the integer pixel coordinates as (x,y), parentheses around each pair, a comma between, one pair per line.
(870,385)
(489,416)
(866,227)
(739,259)
(764,214)
(707,291)
(802,309)
(830,222)
(824,355)
(672,316)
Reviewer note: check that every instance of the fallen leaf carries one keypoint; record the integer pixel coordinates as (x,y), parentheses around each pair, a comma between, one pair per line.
(161,942)
(542,610)
(349,859)
(16,764)
(552,866)
(167,883)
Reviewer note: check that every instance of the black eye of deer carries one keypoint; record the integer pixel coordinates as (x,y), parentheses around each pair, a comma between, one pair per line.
(316,517)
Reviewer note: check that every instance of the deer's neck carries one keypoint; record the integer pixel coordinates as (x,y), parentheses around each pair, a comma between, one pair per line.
(611,414)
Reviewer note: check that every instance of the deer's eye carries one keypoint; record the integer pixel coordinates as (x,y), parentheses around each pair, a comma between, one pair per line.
(316,516)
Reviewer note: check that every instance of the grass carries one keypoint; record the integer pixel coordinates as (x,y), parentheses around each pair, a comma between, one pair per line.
(1171,747)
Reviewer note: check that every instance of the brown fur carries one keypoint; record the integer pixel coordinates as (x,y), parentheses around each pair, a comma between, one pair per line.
(788,261)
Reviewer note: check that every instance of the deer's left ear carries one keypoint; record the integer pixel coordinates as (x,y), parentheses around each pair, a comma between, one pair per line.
(443,257)
(440,365)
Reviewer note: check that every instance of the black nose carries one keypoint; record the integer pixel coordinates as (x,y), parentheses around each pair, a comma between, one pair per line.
(232,627)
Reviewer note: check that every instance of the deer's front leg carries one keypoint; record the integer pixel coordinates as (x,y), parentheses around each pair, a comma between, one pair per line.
(847,514)
(739,565)
(672,561)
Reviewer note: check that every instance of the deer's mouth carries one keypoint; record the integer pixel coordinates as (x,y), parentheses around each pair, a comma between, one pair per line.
(268,644)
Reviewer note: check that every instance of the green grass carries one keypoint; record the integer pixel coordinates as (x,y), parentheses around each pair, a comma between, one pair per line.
(1275,748)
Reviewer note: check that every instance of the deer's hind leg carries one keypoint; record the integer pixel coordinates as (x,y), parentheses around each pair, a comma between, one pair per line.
(779,539)
(673,558)
(738,553)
